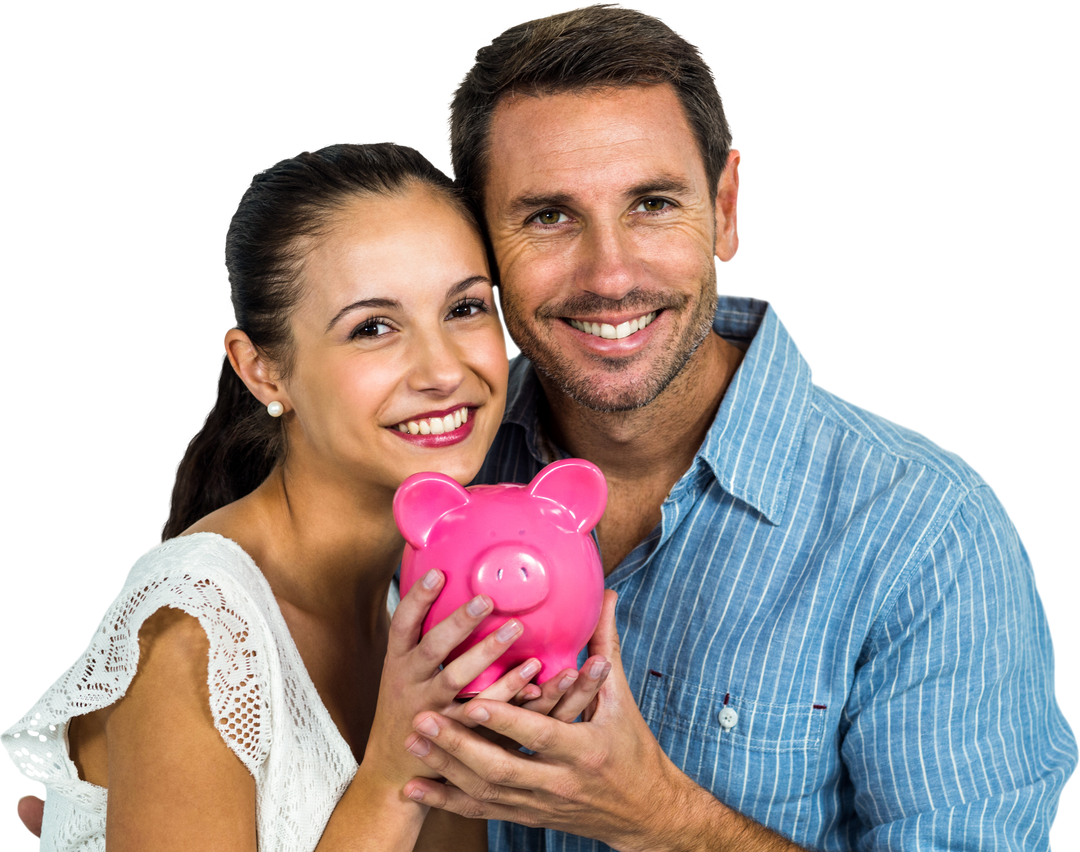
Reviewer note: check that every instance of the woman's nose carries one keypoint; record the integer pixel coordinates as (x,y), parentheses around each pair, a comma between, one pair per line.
(438,368)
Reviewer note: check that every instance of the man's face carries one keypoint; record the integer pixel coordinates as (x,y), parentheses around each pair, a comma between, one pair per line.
(604,231)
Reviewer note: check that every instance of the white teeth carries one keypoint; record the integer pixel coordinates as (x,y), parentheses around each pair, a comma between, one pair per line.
(614,332)
(436,425)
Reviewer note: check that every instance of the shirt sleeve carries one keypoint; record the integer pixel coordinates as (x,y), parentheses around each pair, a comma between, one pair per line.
(952,736)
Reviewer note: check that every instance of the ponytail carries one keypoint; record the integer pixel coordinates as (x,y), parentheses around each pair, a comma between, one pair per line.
(229,458)
(285,209)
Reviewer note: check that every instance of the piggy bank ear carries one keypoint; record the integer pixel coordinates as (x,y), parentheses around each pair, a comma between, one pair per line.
(578,486)
(421,500)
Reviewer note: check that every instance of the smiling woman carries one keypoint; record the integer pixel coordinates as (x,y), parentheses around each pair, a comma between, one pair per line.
(228,699)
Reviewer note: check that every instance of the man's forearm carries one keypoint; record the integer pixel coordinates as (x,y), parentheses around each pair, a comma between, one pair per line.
(698,822)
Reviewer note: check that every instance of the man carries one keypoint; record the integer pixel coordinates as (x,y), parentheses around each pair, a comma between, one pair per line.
(830,636)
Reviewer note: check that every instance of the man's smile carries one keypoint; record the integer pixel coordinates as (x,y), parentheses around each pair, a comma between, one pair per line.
(609,331)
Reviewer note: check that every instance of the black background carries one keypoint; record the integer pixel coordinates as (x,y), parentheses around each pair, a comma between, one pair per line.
(883,212)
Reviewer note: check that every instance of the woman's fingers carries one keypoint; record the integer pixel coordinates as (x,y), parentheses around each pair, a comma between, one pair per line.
(459,673)
(582,692)
(566,695)
(410,613)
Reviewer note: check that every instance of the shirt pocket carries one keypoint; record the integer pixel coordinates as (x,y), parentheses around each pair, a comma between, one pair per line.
(724,739)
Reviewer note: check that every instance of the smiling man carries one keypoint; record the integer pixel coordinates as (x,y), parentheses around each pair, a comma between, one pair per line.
(825,619)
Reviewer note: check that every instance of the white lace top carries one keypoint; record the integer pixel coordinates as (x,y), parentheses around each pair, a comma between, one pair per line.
(264,704)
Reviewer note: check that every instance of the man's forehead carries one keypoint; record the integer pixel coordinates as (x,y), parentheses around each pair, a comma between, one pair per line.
(546,144)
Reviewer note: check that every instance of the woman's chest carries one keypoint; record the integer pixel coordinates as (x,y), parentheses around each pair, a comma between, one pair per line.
(344,671)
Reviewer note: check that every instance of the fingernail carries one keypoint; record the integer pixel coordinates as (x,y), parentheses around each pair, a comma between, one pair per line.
(419,747)
(530,668)
(508,631)
(430,581)
(428,727)
(416,795)
(567,681)
(597,669)
(477,606)
(478,713)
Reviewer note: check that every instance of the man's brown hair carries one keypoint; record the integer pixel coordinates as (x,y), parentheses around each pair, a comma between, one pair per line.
(595,48)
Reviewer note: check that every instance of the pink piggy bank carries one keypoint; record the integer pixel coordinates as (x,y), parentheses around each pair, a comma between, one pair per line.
(527,547)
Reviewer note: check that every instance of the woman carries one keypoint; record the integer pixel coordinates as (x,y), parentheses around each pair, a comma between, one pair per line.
(248,688)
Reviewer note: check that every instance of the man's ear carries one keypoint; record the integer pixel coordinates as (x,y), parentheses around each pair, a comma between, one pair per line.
(254,370)
(727,197)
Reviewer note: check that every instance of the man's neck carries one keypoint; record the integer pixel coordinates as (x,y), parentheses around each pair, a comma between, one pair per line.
(662,436)
(643,452)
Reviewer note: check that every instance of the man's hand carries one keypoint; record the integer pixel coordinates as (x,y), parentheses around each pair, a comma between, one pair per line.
(606,777)
(31,810)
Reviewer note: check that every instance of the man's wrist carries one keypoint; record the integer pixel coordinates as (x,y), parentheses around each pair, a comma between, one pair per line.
(693,820)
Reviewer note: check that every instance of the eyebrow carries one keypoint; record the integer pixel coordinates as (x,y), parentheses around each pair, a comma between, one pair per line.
(526,204)
(394,304)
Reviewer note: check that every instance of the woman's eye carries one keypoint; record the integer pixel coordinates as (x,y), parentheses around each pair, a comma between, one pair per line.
(467,308)
(372,328)
(550,217)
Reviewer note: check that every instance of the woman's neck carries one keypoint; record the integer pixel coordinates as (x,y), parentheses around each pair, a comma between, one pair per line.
(326,548)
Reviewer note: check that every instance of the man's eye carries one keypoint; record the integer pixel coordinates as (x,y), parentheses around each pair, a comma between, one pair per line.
(549,217)
(653,205)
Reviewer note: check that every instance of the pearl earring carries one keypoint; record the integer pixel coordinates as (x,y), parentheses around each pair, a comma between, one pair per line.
(275,409)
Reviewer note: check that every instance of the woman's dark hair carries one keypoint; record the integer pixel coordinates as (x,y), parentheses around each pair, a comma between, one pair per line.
(592,49)
(285,209)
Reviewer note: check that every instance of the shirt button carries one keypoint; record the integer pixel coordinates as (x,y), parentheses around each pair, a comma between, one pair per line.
(728,718)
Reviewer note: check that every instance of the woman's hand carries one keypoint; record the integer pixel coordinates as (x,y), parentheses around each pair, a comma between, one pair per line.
(414,678)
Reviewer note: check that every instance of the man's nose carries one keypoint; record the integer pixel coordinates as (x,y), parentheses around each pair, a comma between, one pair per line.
(608,262)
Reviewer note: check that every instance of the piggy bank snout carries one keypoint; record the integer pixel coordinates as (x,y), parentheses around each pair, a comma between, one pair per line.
(513,576)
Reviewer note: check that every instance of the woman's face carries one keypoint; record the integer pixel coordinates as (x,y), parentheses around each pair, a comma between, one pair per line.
(400,364)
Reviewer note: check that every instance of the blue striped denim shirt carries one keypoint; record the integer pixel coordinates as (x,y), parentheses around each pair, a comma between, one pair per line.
(857,596)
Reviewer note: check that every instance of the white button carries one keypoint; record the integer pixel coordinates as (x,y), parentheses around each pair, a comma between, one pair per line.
(728,718)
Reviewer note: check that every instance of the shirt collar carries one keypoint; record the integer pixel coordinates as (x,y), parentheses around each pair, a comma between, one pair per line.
(753,444)
(523,409)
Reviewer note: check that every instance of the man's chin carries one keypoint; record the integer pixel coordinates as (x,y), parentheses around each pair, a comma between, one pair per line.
(603,390)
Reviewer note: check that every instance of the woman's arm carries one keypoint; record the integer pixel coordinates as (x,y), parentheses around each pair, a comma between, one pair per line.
(173,782)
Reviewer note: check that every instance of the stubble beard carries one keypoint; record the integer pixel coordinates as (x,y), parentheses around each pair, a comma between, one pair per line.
(607,387)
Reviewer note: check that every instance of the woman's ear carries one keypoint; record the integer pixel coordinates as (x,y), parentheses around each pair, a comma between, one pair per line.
(254,370)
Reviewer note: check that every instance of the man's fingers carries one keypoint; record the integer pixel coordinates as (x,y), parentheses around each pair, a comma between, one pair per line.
(29,808)
(605,639)
(540,734)
(476,765)
(444,797)
(514,685)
